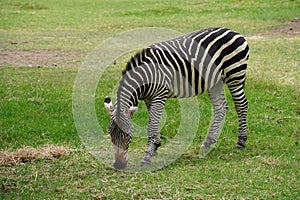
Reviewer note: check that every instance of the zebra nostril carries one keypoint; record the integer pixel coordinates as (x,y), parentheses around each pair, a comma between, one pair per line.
(119,165)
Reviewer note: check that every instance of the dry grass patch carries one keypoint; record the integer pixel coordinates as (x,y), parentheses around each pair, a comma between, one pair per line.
(30,154)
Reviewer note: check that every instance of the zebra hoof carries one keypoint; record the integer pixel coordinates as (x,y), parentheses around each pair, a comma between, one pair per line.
(145,162)
(204,151)
(240,145)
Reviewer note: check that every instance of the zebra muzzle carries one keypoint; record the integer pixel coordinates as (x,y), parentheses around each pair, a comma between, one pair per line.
(119,165)
(120,158)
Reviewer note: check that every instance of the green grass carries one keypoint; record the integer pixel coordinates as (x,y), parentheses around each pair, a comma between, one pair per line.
(36,103)
(36,106)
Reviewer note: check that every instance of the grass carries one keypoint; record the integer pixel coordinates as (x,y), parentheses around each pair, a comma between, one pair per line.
(36,104)
(33,111)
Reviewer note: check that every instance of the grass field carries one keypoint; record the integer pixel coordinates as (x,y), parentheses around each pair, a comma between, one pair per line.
(42,46)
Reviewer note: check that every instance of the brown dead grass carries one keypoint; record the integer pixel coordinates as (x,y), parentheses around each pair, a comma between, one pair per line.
(30,154)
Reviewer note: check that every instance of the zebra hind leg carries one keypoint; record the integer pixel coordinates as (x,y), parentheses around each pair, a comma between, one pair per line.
(220,107)
(241,106)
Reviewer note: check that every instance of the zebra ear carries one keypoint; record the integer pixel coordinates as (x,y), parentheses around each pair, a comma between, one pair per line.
(130,111)
(108,105)
(133,109)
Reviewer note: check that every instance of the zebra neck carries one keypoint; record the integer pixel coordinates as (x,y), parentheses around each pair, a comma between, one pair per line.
(126,98)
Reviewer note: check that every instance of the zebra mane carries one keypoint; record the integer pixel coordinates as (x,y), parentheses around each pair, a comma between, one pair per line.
(137,59)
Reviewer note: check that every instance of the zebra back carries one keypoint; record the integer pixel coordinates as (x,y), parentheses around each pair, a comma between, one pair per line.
(187,65)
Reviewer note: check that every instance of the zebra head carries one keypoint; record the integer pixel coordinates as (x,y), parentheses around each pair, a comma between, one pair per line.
(120,131)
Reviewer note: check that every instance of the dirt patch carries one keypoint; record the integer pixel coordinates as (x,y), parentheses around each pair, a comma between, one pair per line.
(289,27)
(41,58)
(30,154)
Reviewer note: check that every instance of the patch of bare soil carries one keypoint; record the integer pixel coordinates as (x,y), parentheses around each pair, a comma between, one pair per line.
(289,27)
(41,57)
(30,154)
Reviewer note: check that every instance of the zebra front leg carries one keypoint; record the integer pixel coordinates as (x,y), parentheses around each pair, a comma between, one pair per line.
(155,111)
(153,144)
(220,107)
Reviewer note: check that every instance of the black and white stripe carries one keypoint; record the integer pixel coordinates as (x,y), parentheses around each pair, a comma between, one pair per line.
(184,67)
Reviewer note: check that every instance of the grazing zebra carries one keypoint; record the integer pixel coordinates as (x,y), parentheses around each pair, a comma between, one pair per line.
(181,67)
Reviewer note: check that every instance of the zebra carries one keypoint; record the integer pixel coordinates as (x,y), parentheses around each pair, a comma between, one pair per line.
(186,66)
